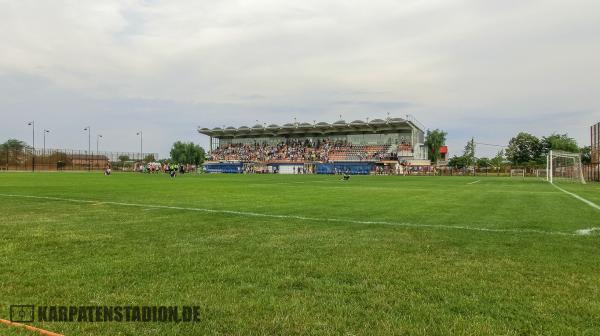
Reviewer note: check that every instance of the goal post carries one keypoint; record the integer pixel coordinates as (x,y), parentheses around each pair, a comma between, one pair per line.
(517,173)
(564,166)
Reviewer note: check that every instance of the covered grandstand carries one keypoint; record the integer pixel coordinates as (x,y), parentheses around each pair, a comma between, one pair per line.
(390,145)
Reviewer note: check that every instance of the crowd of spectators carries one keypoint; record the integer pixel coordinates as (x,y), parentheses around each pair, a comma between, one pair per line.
(295,150)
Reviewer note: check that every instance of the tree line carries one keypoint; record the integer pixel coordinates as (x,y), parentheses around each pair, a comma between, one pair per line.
(181,152)
(524,149)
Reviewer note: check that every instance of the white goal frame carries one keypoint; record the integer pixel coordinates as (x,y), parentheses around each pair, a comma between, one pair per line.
(566,155)
(517,172)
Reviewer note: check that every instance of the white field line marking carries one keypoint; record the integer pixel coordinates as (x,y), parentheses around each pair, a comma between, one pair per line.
(310,182)
(590,203)
(474,182)
(337,220)
(282,183)
(587,232)
(582,232)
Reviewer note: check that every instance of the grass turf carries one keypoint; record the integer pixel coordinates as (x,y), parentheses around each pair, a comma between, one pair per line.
(429,271)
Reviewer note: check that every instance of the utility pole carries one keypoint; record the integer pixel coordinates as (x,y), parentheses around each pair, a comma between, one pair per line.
(141,144)
(32,124)
(44,151)
(89,129)
(98,140)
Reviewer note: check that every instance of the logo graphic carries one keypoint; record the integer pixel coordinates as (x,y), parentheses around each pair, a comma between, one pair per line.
(21,313)
(27,313)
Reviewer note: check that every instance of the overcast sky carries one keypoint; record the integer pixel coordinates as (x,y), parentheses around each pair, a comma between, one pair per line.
(487,69)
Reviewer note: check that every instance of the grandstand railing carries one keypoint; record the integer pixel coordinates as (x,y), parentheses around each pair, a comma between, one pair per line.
(414,120)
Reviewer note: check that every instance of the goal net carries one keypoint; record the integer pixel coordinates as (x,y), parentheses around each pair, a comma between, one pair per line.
(517,173)
(541,173)
(564,167)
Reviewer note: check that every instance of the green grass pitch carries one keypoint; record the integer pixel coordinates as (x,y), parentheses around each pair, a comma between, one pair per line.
(284,255)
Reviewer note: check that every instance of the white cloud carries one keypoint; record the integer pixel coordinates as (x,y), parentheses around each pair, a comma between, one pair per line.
(472,67)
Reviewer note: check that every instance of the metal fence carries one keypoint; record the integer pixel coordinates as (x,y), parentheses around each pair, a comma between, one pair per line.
(482,171)
(591,172)
(67,159)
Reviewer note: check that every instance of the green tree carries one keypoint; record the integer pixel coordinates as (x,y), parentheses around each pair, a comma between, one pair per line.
(149,158)
(122,160)
(586,154)
(559,142)
(434,140)
(469,153)
(524,148)
(14,145)
(484,162)
(3,155)
(498,160)
(188,153)
(12,151)
(457,162)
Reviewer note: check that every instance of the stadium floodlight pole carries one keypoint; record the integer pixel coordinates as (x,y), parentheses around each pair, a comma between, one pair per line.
(97,141)
(32,124)
(141,144)
(44,150)
(89,129)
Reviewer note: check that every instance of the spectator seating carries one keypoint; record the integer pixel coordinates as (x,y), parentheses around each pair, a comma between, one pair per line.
(303,151)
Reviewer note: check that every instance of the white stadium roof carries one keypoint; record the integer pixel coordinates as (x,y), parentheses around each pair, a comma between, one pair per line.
(388,125)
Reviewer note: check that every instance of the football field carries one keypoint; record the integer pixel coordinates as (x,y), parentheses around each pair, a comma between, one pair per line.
(304,254)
